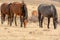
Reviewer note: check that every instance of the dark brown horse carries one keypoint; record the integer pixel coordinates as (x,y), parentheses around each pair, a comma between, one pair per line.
(48,11)
(19,9)
(5,11)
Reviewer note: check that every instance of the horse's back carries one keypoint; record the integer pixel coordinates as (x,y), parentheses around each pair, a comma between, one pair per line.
(16,8)
(46,10)
(4,8)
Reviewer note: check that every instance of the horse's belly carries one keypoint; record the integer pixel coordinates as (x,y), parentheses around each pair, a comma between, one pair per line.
(47,14)
(5,12)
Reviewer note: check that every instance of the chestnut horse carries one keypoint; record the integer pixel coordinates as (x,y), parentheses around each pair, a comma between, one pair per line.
(5,11)
(19,9)
(48,11)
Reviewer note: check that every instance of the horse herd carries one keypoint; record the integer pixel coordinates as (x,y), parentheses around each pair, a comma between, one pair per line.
(12,10)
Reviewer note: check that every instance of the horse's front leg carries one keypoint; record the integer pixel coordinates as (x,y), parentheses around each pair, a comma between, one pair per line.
(48,22)
(21,20)
(42,21)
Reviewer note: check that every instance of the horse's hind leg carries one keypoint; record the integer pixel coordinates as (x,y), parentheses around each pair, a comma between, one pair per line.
(42,20)
(39,18)
(10,20)
(48,22)
(2,18)
(12,17)
(15,21)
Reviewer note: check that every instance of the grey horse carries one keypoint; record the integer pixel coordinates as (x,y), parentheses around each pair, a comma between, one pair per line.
(49,11)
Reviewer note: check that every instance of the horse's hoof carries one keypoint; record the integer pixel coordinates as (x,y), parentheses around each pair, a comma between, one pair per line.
(54,27)
(20,26)
(24,27)
(10,25)
(1,22)
(41,27)
(16,25)
(48,27)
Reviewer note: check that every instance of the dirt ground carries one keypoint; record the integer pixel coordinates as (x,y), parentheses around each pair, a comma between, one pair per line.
(32,31)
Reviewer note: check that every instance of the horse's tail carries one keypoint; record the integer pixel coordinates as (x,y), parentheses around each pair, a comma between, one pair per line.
(38,10)
(55,13)
(39,7)
(39,14)
(10,14)
(9,8)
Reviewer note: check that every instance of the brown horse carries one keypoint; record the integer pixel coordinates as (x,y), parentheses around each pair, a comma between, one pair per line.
(19,9)
(5,11)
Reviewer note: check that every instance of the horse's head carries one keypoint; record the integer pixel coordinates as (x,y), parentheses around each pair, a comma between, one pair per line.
(25,13)
(25,20)
(55,13)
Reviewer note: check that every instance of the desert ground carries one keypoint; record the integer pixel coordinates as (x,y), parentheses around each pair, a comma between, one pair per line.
(32,31)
